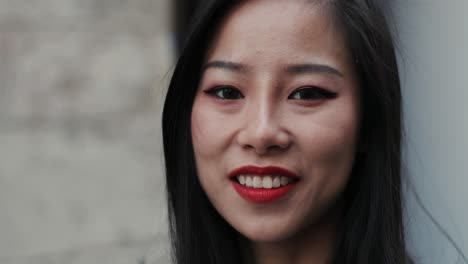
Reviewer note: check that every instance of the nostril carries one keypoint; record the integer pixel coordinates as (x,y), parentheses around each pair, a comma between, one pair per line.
(264,139)
(273,148)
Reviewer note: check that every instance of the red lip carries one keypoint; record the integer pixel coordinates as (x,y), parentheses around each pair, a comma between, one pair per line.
(262,195)
(269,170)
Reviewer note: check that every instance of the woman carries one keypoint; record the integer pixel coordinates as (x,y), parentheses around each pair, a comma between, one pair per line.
(282,136)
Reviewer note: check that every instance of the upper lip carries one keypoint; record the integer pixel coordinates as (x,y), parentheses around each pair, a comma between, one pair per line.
(256,170)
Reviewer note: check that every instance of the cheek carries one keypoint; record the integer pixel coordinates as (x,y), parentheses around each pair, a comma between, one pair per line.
(204,132)
(327,150)
(332,144)
(328,143)
(210,135)
(339,129)
(328,135)
(210,139)
(203,140)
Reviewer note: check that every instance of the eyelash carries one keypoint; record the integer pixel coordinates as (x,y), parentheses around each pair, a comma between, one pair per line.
(314,93)
(215,92)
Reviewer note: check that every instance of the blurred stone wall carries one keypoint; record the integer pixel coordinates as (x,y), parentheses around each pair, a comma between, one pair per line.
(81,85)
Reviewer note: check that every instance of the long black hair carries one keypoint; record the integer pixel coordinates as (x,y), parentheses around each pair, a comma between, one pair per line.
(371,230)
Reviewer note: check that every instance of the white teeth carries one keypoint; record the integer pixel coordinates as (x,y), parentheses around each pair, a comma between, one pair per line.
(257,182)
(248,181)
(241,179)
(276,182)
(267,182)
(284,181)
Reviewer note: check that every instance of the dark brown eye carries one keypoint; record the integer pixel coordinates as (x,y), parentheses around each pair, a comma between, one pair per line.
(311,93)
(225,92)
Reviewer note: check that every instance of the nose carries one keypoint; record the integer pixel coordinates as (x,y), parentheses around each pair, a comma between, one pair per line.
(263,131)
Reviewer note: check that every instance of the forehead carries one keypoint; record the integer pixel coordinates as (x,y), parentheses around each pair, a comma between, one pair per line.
(268,32)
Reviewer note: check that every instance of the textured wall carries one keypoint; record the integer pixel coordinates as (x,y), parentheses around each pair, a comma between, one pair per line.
(80,94)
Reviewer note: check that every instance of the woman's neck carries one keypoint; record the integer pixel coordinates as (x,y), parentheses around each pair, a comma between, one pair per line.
(315,244)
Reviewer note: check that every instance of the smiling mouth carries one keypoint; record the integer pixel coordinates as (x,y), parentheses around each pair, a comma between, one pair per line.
(263,181)
(263,184)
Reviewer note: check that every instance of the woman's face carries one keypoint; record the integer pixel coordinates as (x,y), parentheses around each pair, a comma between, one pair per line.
(275,120)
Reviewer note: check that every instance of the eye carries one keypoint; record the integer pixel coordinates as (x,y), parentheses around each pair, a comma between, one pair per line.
(311,93)
(225,93)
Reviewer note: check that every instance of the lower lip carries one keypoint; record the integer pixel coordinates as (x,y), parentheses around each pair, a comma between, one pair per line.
(262,195)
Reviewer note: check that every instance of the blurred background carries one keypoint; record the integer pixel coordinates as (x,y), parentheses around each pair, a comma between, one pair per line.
(81,88)
(81,85)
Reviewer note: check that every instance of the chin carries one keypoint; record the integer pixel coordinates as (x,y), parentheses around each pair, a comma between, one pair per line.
(266,236)
(267,232)
(282,227)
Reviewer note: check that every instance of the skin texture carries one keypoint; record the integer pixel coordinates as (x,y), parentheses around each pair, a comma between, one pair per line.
(266,121)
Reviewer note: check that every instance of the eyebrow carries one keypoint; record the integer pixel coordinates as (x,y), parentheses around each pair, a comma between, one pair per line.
(227,65)
(296,69)
(312,68)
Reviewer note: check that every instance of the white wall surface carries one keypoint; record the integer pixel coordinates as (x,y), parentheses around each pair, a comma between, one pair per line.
(80,151)
(434,67)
